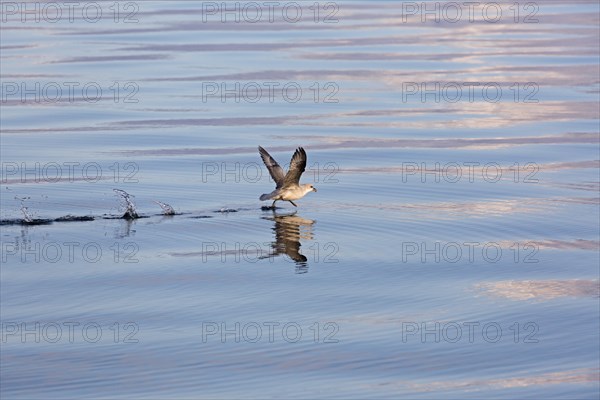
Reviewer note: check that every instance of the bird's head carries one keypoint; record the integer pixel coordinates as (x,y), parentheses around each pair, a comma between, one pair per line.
(309,188)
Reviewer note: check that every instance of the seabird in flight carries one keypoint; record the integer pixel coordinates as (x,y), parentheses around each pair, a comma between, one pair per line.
(288,187)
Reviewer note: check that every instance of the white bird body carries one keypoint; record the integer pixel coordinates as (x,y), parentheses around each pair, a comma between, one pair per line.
(288,187)
(290,193)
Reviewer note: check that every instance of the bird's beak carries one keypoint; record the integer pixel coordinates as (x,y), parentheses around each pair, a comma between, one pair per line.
(314,189)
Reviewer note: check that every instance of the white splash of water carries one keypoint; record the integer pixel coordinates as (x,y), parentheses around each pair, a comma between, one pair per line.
(26,215)
(167,209)
(130,211)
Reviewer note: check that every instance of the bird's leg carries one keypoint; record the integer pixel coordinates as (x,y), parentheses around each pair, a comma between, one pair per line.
(273,205)
(293,203)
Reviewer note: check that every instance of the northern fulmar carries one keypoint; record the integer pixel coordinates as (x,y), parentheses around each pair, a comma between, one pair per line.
(288,187)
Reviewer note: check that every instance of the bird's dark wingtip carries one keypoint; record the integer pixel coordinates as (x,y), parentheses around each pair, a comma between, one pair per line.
(262,151)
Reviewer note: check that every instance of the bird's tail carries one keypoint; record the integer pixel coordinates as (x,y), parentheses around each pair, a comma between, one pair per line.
(266,196)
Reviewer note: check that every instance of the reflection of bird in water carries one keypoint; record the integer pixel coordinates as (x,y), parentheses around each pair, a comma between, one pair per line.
(288,187)
(289,229)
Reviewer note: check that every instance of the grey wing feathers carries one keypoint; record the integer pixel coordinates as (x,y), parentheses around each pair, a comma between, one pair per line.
(297,167)
(274,169)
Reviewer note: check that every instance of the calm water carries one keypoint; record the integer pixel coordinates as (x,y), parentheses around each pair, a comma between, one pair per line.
(451,250)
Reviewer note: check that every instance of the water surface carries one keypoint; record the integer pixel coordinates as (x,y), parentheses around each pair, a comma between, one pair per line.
(451,250)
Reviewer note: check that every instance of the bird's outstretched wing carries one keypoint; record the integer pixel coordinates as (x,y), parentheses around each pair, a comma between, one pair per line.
(297,167)
(274,169)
